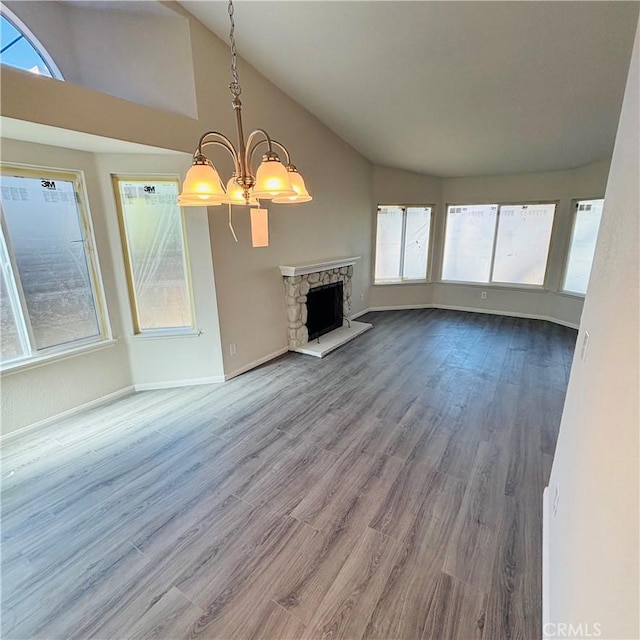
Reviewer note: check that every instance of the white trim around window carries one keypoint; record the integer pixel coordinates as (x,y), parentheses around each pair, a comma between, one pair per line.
(53,298)
(403,255)
(486,260)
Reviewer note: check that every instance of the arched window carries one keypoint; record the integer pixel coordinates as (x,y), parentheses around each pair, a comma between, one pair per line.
(19,48)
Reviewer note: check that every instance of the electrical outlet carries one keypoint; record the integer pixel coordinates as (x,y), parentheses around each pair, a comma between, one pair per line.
(483,295)
(585,345)
(362,297)
(556,501)
(232,349)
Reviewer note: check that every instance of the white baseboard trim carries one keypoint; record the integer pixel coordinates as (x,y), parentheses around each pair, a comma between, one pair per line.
(546,597)
(353,316)
(512,314)
(171,384)
(256,363)
(402,307)
(41,424)
(495,312)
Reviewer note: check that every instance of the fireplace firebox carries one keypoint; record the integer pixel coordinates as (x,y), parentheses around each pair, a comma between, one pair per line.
(324,309)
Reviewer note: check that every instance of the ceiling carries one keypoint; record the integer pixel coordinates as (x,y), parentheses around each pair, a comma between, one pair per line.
(447,88)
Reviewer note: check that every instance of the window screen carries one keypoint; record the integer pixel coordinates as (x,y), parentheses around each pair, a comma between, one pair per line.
(522,243)
(155,250)
(49,272)
(402,243)
(586,224)
(468,244)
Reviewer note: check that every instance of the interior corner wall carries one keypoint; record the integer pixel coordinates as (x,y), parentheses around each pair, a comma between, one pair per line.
(167,360)
(335,223)
(393,186)
(35,394)
(593,538)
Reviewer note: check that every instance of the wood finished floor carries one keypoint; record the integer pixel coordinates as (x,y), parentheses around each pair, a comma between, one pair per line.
(392,490)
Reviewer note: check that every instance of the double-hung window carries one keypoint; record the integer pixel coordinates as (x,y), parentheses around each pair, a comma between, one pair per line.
(402,243)
(584,233)
(153,238)
(51,294)
(501,244)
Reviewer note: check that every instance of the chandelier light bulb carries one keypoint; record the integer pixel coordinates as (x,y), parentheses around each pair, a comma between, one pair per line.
(235,195)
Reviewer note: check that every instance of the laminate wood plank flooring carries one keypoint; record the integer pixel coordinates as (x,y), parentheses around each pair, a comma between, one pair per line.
(391,490)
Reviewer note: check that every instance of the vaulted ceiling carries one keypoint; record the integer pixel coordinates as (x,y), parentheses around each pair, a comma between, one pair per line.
(447,88)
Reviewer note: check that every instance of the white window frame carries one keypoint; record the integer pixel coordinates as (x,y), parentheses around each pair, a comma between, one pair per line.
(574,212)
(32,355)
(160,332)
(401,280)
(501,285)
(28,35)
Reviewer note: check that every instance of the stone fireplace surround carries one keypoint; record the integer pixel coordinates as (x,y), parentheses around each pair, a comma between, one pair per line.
(299,279)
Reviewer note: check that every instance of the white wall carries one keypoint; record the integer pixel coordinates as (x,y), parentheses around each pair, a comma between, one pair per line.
(336,223)
(35,394)
(141,53)
(248,284)
(394,186)
(594,542)
(562,186)
(162,360)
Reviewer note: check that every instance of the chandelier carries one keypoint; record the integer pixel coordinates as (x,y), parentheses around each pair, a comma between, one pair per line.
(273,180)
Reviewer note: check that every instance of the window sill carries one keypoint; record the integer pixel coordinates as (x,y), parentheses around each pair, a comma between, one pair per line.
(494,285)
(164,334)
(41,360)
(394,283)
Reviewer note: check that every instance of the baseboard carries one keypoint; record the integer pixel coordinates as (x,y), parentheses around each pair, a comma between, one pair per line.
(256,363)
(546,598)
(511,314)
(358,314)
(171,384)
(402,307)
(494,312)
(41,424)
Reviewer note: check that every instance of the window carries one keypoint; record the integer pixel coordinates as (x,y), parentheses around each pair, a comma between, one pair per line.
(502,244)
(155,255)
(468,242)
(51,297)
(20,49)
(402,243)
(586,223)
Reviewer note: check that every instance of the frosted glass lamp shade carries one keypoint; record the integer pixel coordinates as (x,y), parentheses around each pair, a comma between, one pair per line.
(272,180)
(235,195)
(301,193)
(202,187)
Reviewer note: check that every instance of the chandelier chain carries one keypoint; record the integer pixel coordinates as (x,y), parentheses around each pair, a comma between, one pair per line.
(234,87)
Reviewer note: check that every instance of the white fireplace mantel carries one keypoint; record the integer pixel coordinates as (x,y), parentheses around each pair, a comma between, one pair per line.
(325,265)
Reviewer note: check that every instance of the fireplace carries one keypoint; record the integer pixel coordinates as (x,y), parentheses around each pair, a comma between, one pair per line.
(324,309)
(318,299)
